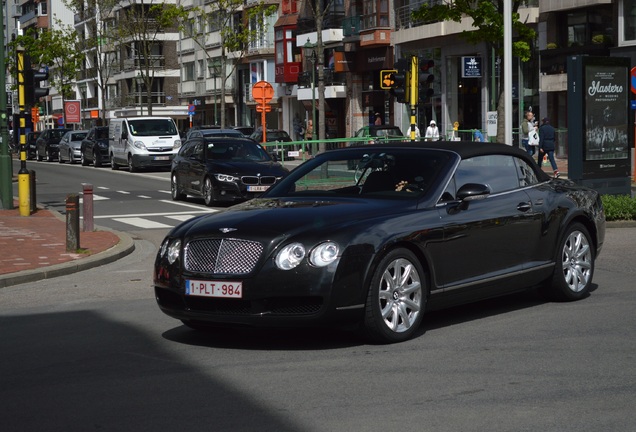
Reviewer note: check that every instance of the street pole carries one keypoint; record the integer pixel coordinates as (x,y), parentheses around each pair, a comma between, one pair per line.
(6,188)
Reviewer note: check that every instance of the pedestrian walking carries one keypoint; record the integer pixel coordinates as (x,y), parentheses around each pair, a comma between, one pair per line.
(432,133)
(527,126)
(547,144)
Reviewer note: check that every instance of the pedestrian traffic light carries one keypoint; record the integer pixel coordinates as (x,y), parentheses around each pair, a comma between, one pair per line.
(33,91)
(401,81)
(386,79)
(425,80)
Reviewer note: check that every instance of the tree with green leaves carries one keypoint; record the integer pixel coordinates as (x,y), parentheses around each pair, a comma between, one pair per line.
(138,28)
(487,17)
(56,49)
(96,40)
(238,27)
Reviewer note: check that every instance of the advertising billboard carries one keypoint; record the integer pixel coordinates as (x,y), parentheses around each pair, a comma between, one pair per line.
(600,123)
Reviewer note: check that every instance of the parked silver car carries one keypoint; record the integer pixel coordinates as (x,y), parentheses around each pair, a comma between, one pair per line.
(70,146)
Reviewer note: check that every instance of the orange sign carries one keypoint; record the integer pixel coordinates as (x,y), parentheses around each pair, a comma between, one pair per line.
(262,92)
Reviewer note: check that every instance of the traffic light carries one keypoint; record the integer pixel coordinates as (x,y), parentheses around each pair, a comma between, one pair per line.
(425,80)
(32,89)
(402,81)
(386,79)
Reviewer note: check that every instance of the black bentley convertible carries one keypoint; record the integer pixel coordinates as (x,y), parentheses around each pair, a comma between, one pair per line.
(377,235)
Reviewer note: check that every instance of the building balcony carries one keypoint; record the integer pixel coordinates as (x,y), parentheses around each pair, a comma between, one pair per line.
(334,85)
(351,28)
(288,72)
(155,62)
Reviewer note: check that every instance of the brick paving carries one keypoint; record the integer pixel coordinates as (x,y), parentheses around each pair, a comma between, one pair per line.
(39,240)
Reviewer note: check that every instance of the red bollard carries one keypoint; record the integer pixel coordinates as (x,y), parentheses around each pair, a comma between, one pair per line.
(87,207)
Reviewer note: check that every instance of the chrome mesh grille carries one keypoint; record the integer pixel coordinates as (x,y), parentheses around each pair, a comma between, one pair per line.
(222,256)
(255,180)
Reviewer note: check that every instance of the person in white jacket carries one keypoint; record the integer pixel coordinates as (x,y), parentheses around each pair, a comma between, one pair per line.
(432,133)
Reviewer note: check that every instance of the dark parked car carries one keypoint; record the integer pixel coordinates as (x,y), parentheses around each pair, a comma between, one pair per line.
(31,144)
(215,132)
(415,227)
(223,169)
(70,145)
(94,147)
(272,138)
(47,144)
(245,130)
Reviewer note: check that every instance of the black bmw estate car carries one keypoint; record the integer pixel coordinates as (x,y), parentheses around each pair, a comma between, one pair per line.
(221,168)
(411,228)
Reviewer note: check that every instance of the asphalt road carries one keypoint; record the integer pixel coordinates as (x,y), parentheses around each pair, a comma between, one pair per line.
(91,351)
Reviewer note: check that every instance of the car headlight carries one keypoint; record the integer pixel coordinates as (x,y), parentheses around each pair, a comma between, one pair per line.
(140,145)
(225,177)
(290,256)
(177,144)
(174,249)
(324,254)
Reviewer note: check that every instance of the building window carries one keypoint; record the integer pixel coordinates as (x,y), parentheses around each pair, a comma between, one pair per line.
(188,71)
(375,13)
(629,20)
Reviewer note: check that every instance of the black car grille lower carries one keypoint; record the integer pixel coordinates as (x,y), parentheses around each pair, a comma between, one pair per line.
(222,256)
(258,180)
(270,306)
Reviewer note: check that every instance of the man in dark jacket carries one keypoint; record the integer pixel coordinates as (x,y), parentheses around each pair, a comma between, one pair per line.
(547,143)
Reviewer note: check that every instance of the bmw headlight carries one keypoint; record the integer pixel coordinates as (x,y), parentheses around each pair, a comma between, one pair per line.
(324,254)
(225,177)
(290,256)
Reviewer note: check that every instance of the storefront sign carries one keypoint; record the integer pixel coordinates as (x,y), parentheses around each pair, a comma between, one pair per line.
(471,67)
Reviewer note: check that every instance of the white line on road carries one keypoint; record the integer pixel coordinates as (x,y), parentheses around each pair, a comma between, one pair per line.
(143,196)
(141,223)
(124,192)
(152,214)
(185,205)
(181,218)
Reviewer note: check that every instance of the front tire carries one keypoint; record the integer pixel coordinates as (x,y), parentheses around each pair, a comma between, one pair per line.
(97,162)
(83,160)
(113,164)
(574,266)
(175,191)
(208,192)
(131,165)
(396,298)
(49,157)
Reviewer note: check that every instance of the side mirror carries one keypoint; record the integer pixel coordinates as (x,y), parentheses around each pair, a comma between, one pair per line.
(471,192)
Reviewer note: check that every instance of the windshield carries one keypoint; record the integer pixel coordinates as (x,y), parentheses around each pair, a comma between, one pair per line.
(388,132)
(152,127)
(403,173)
(236,151)
(78,136)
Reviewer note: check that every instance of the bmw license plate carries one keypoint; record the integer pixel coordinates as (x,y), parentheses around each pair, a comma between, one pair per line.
(224,289)
(257,188)
(162,157)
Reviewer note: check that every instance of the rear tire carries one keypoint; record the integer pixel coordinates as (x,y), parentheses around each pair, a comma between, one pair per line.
(396,298)
(574,266)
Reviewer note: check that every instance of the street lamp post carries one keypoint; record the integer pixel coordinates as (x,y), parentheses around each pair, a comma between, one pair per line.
(140,80)
(214,68)
(312,59)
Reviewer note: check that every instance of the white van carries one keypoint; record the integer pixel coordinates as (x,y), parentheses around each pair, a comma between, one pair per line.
(140,142)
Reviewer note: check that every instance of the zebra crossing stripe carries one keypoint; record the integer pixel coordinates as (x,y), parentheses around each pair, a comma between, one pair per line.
(141,222)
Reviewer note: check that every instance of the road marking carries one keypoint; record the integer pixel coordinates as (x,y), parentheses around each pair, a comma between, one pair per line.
(165,191)
(124,192)
(182,204)
(143,196)
(142,223)
(181,218)
(96,198)
(103,187)
(123,216)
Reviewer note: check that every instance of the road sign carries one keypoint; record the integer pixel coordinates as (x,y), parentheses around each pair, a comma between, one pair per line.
(261,108)
(262,92)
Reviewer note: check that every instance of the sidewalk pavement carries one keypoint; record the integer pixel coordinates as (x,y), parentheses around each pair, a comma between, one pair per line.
(34,247)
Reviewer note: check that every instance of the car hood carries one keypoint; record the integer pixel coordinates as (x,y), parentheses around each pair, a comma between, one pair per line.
(266,219)
(247,167)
